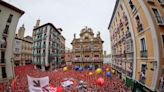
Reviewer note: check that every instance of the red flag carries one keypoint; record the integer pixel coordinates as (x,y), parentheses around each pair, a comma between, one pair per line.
(13,84)
(52,88)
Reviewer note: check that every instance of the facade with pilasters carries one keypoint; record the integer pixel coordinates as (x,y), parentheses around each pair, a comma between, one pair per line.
(145,24)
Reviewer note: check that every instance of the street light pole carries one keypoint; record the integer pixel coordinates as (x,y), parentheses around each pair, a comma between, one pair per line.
(12,64)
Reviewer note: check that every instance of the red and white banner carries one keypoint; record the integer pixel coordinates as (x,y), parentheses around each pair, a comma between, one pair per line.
(38,84)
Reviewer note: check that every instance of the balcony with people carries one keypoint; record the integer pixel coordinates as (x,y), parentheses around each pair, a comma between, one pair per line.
(139,24)
(161,84)
(121,24)
(87,48)
(3,44)
(142,77)
(125,19)
(77,59)
(129,71)
(77,49)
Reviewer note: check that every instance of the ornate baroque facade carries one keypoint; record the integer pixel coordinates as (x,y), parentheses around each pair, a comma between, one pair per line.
(87,50)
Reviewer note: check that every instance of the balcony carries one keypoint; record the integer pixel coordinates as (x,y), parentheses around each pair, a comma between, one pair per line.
(43,54)
(77,60)
(142,79)
(37,39)
(55,48)
(128,34)
(40,32)
(36,47)
(129,72)
(44,37)
(160,20)
(140,28)
(3,45)
(2,61)
(37,55)
(44,46)
(87,49)
(143,53)
(77,49)
(55,55)
(5,32)
(121,25)
(96,49)
(125,19)
(87,59)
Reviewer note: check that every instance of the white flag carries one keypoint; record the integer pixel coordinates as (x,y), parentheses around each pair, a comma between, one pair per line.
(38,84)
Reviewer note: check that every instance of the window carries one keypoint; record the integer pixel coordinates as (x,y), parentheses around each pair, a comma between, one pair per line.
(161,1)
(139,24)
(118,14)
(3,72)
(163,39)
(10,18)
(143,44)
(44,51)
(143,52)
(2,57)
(162,42)
(158,17)
(143,73)
(6,29)
(133,8)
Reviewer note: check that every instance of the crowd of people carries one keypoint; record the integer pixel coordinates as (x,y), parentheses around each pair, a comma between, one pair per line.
(111,84)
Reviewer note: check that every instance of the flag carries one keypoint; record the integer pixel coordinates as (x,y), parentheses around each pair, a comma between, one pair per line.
(38,84)
(52,88)
(13,84)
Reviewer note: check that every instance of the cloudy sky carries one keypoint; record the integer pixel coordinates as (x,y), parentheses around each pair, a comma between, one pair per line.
(70,15)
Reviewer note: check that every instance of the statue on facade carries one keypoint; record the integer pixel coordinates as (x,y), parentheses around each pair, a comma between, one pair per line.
(74,35)
(98,34)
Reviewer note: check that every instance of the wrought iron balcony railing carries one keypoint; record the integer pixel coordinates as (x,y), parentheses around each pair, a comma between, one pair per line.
(143,53)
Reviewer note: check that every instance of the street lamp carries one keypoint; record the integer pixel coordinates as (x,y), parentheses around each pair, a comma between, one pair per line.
(12,65)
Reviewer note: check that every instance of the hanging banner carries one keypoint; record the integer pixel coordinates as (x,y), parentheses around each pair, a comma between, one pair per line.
(38,84)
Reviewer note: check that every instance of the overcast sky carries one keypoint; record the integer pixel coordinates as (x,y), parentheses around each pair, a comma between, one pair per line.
(70,15)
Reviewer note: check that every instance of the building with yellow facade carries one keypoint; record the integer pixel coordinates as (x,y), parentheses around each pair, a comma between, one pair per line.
(87,50)
(137,37)
(22,48)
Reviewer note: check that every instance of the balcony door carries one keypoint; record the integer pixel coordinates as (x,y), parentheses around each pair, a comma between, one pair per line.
(143,48)
(3,57)
(157,15)
(143,44)
(163,43)
(4,72)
